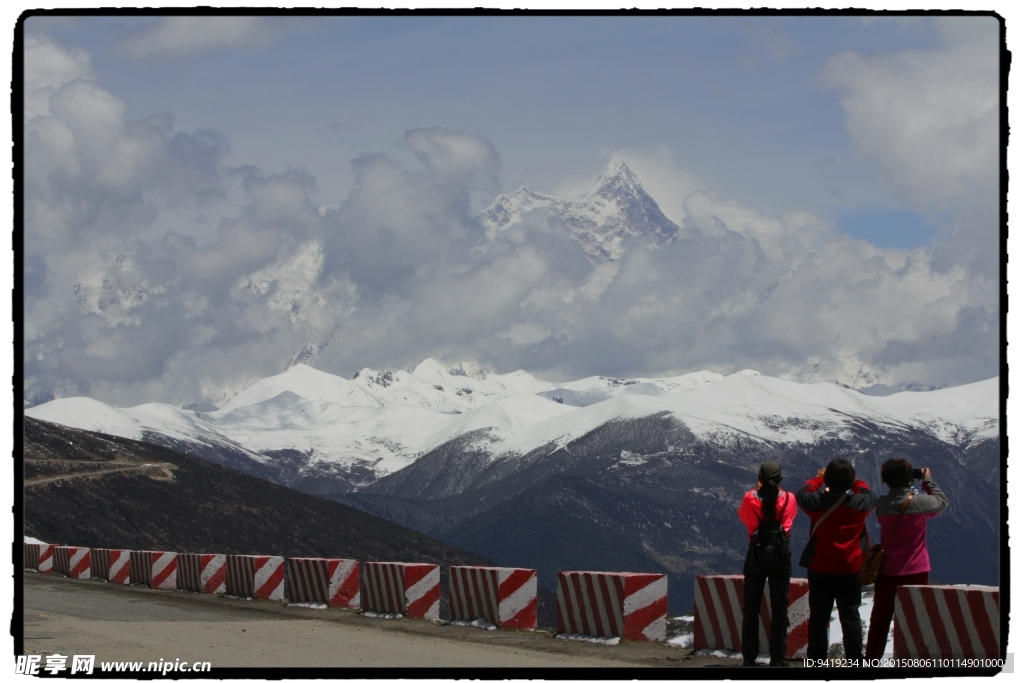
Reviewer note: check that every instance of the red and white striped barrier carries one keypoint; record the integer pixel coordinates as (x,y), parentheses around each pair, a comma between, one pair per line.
(946,621)
(255,576)
(201,572)
(32,552)
(631,606)
(327,581)
(99,560)
(165,571)
(718,615)
(45,565)
(60,560)
(72,560)
(154,568)
(505,597)
(140,567)
(407,588)
(118,570)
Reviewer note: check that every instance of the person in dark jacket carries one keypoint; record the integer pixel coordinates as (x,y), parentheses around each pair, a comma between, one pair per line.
(905,561)
(768,511)
(842,503)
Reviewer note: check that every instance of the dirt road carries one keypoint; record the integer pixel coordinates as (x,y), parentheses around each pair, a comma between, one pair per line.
(96,473)
(118,623)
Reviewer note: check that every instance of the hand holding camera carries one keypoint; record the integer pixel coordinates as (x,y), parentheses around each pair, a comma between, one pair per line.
(923,473)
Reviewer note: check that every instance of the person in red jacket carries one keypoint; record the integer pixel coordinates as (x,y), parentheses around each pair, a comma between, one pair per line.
(841,503)
(768,514)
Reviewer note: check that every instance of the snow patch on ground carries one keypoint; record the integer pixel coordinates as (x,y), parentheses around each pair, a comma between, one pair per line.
(588,639)
(867,601)
(309,605)
(29,539)
(684,641)
(478,623)
(381,615)
(728,654)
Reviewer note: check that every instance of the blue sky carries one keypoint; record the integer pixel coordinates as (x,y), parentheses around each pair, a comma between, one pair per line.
(173,164)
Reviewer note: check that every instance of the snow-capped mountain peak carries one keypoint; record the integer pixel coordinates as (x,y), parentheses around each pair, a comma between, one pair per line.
(617,182)
(615,208)
(307,382)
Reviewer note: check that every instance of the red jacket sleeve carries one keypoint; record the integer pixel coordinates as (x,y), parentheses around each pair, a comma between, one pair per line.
(750,508)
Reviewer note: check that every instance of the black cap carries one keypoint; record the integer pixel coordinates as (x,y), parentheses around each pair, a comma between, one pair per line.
(770,471)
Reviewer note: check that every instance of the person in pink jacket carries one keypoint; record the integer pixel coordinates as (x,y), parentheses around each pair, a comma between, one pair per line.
(768,514)
(903,517)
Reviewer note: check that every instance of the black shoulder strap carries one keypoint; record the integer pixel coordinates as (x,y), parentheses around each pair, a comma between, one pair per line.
(778,517)
(827,513)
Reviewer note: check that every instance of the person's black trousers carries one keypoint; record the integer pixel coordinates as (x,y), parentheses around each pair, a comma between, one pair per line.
(844,591)
(753,590)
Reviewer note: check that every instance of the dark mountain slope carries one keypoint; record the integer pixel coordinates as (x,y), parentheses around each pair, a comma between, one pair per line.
(646,495)
(181,503)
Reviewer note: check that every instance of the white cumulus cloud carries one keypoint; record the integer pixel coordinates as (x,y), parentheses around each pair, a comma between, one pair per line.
(928,117)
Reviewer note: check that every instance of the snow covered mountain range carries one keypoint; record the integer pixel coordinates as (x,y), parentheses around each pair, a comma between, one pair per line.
(358,430)
(616,207)
(640,474)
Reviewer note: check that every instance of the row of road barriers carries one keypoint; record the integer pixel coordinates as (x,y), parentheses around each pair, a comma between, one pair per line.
(597,604)
(930,621)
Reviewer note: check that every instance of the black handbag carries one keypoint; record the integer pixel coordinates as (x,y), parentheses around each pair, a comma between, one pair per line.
(808,554)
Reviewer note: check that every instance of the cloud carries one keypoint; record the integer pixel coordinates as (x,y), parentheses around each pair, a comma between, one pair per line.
(460,156)
(48,67)
(928,117)
(402,270)
(181,37)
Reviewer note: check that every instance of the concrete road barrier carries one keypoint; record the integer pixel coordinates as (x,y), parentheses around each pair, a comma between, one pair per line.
(333,582)
(505,597)
(118,569)
(608,604)
(408,588)
(201,572)
(140,567)
(946,621)
(718,615)
(255,576)
(32,552)
(73,561)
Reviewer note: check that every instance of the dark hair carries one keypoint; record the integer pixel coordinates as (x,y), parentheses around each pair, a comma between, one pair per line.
(769,492)
(897,472)
(839,475)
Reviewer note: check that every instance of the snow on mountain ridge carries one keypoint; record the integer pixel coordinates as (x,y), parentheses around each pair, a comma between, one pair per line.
(777,410)
(383,421)
(307,382)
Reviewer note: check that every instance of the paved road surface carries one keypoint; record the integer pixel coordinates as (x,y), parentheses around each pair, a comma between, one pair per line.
(118,623)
